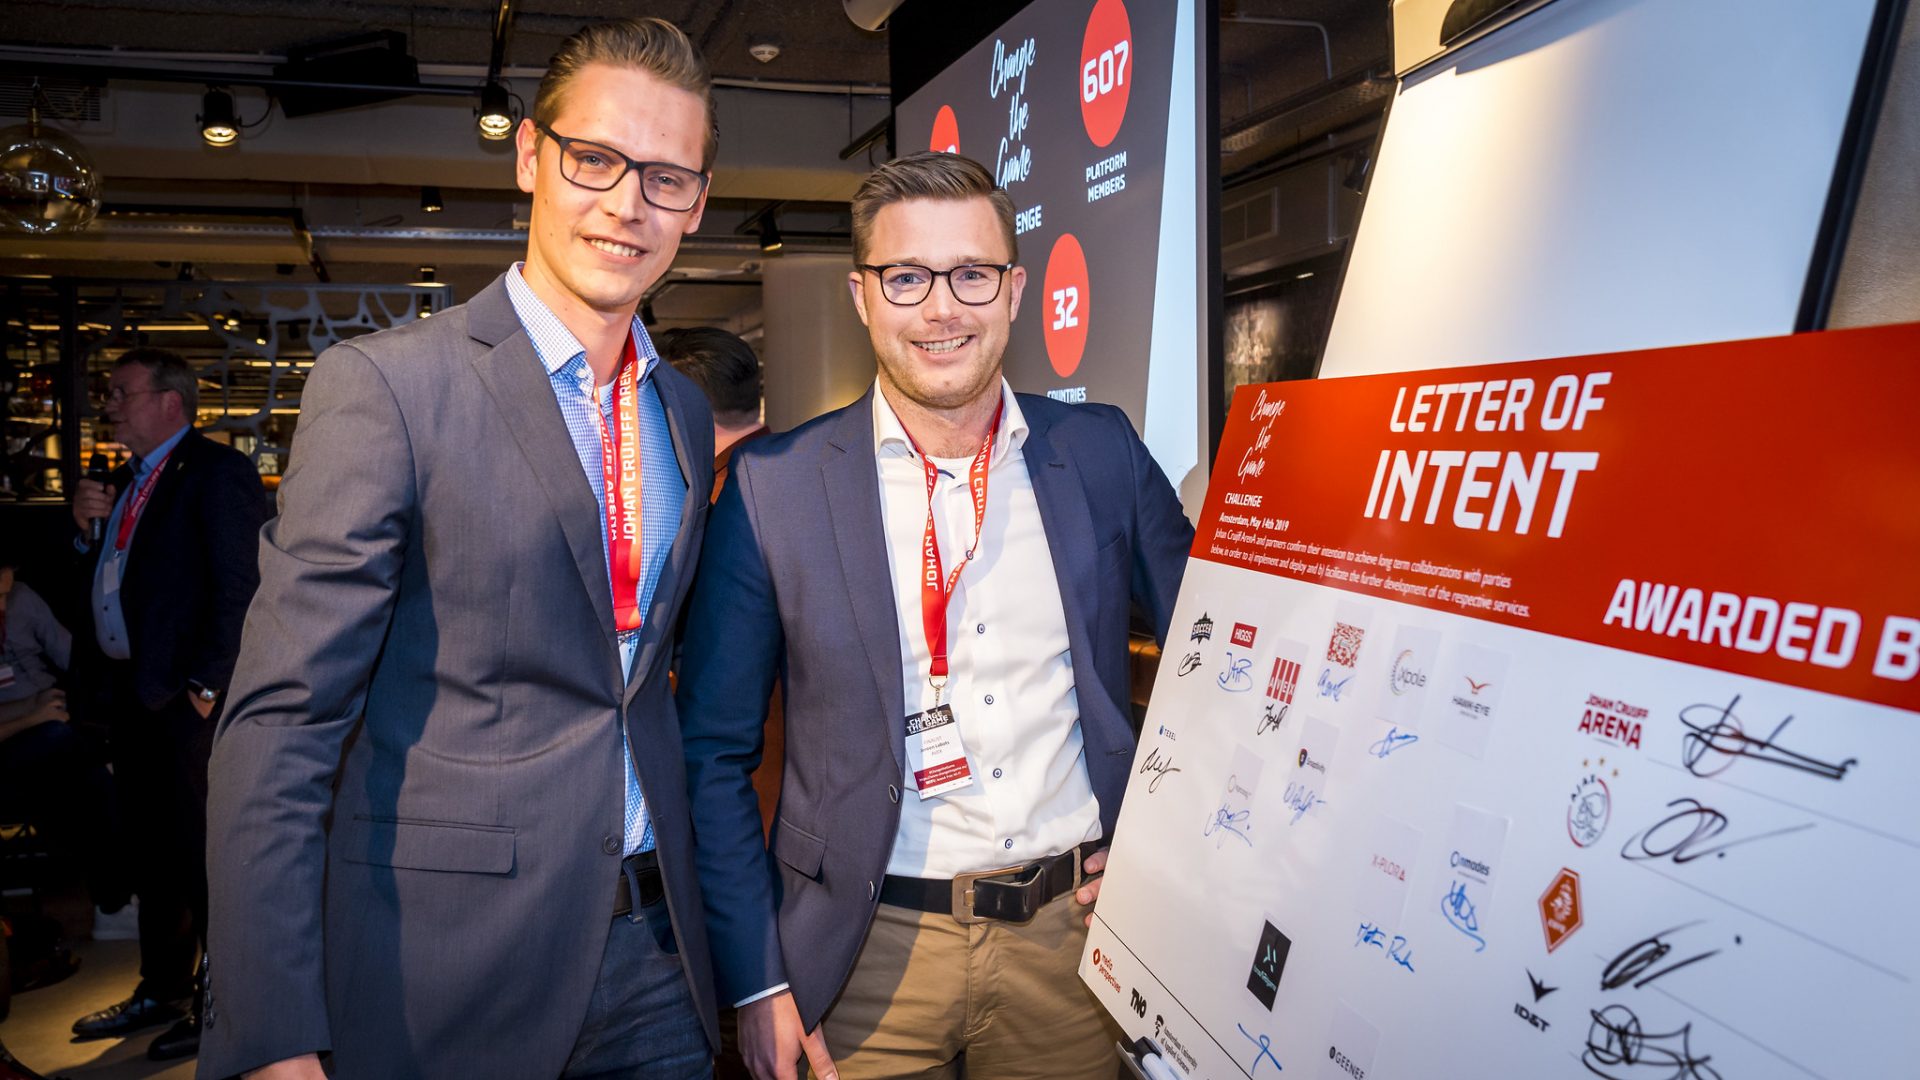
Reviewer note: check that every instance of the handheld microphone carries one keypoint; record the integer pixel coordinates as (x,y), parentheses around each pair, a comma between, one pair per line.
(97,470)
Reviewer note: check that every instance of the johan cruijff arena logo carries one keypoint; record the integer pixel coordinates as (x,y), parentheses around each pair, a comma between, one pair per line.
(1106,70)
(946,132)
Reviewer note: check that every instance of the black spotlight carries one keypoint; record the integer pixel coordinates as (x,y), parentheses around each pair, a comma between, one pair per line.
(496,116)
(430,201)
(770,241)
(218,124)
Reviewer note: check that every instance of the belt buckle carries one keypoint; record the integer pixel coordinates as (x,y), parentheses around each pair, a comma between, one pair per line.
(963,892)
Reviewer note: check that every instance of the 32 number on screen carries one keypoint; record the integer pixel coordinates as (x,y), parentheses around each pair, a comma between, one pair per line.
(1066,302)
(1105,72)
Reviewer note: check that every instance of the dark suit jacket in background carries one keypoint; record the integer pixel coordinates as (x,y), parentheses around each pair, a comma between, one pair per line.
(795,577)
(434,602)
(190,570)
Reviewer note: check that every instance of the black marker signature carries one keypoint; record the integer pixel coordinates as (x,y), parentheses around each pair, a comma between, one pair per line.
(1644,954)
(1159,767)
(1619,1050)
(1713,729)
(1272,718)
(1703,823)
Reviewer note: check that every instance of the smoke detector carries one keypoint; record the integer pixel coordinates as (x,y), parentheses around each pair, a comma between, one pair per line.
(765,52)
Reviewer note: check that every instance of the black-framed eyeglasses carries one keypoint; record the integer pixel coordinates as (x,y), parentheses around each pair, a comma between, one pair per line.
(601,168)
(907,284)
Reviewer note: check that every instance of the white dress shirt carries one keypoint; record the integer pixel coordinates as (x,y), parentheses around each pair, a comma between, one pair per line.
(1010,679)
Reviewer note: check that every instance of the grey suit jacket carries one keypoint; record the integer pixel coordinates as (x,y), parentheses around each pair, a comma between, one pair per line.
(794,577)
(415,819)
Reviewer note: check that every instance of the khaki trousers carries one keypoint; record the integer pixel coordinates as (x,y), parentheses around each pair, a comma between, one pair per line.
(931,998)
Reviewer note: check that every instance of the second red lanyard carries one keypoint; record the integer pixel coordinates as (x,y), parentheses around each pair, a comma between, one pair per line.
(936,585)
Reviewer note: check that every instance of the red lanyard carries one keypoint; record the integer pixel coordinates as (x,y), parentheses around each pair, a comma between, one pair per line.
(620,472)
(933,597)
(131,515)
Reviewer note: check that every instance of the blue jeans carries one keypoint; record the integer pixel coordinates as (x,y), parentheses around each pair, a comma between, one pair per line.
(641,1023)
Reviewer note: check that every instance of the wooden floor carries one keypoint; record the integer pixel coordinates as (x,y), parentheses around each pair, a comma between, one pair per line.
(39,1031)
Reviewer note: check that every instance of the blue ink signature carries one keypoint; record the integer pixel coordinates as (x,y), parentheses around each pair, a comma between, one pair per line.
(1393,740)
(1225,822)
(1264,1053)
(1462,915)
(1300,798)
(1238,678)
(1399,953)
(1331,689)
(1396,950)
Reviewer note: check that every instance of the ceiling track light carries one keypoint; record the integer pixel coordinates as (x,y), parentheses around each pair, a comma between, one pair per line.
(496,113)
(430,201)
(426,280)
(770,241)
(219,125)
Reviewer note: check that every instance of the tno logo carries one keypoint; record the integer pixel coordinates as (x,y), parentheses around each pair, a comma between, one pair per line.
(1106,70)
(946,132)
(1066,305)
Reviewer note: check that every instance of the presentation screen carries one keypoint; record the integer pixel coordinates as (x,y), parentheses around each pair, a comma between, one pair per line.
(1086,113)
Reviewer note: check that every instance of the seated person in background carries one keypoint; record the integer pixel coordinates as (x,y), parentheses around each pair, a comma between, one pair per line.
(49,776)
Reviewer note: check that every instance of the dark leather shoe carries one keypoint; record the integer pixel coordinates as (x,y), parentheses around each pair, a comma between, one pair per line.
(126,1017)
(180,1040)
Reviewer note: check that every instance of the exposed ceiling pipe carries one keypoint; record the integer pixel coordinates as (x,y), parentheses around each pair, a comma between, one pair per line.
(295,218)
(502,25)
(1326,42)
(164,66)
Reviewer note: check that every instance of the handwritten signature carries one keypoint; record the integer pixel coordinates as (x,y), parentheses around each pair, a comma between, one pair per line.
(1703,823)
(1645,953)
(1462,915)
(1331,689)
(1393,740)
(1189,663)
(1712,729)
(1300,798)
(1272,718)
(1237,678)
(1618,1049)
(1263,1050)
(1396,949)
(1159,767)
(1225,821)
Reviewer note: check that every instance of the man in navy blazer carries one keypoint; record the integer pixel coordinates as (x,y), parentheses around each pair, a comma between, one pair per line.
(448,826)
(942,575)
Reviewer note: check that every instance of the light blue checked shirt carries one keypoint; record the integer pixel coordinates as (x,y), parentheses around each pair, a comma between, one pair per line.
(663,489)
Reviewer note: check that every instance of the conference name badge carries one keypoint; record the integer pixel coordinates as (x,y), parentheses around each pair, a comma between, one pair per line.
(935,753)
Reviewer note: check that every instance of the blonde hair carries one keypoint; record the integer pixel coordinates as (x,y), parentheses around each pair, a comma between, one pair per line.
(652,45)
(928,175)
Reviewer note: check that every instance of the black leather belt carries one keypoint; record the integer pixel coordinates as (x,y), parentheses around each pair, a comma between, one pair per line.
(1007,893)
(639,876)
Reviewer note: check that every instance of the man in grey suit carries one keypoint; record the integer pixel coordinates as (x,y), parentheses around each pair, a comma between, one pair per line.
(941,573)
(448,827)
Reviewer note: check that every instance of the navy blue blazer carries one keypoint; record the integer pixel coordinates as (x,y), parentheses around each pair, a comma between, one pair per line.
(794,579)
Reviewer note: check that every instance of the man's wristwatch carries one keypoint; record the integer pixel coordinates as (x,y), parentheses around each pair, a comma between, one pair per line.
(202,691)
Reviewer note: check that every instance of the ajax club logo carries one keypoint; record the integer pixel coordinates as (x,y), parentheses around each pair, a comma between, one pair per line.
(1590,808)
(946,132)
(1069,300)
(1106,70)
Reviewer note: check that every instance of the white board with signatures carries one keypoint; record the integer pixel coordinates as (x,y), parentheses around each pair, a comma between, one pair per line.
(1378,829)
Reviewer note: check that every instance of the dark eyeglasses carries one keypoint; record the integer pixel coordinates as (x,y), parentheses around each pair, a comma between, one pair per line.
(907,284)
(601,168)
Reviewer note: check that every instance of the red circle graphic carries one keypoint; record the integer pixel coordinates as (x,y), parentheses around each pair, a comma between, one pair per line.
(946,132)
(1106,70)
(1066,301)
